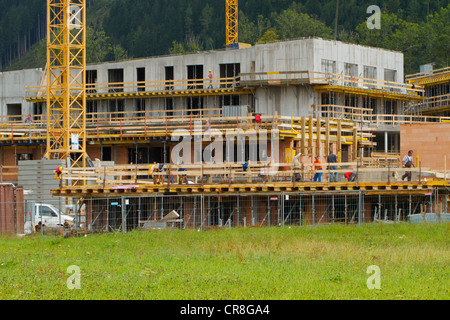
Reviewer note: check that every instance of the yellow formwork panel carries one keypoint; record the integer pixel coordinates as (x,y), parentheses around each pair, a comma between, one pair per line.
(369,92)
(432,80)
(156,94)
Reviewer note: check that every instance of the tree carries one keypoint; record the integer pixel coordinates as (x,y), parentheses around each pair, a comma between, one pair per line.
(120,54)
(251,32)
(246,29)
(98,46)
(408,39)
(292,24)
(188,21)
(144,28)
(395,34)
(206,17)
(206,21)
(437,31)
(192,43)
(177,48)
(269,36)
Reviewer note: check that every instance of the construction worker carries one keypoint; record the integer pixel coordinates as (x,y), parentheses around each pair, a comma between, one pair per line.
(408,163)
(151,170)
(318,168)
(161,169)
(210,76)
(332,158)
(351,176)
(245,166)
(58,173)
(297,167)
(156,168)
(183,177)
(257,121)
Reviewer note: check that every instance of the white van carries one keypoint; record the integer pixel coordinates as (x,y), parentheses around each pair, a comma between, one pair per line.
(50,216)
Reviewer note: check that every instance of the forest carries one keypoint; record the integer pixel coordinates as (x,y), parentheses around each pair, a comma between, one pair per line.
(125,29)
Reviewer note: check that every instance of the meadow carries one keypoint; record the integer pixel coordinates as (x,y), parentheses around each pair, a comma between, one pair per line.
(291,263)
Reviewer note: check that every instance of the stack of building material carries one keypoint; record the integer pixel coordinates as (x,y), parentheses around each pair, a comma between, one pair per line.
(37,178)
(168,221)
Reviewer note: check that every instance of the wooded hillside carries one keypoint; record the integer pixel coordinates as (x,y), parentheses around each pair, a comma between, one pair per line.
(121,29)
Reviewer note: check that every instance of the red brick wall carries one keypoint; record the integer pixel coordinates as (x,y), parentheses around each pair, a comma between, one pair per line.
(121,155)
(94,152)
(430,141)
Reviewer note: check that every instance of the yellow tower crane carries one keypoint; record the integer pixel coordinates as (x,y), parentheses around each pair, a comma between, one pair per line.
(232,30)
(66,85)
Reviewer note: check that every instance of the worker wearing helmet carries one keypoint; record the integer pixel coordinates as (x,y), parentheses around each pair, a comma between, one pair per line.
(58,173)
(210,79)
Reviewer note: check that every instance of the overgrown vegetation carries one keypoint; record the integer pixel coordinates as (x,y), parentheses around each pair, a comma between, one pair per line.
(328,262)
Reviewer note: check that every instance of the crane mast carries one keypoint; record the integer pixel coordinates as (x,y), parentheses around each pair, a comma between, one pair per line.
(232,34)
(66,94)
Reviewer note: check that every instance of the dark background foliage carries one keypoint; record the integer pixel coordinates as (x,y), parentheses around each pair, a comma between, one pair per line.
(121,29)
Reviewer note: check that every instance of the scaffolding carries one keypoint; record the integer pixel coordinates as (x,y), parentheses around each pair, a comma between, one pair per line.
(436,88)
(210,211)
(204,212)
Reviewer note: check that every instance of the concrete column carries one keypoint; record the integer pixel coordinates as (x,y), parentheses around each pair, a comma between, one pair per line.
(386,140)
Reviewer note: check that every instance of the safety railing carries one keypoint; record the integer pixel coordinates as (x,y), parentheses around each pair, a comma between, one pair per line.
(156,123)
(432,104)
(429,76)
(9,173)
(243,80)
(255,173)
(330,79)
(364,83)
(142,87)
(365,115)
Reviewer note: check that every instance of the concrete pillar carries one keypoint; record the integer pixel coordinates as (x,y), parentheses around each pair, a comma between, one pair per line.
(386,142)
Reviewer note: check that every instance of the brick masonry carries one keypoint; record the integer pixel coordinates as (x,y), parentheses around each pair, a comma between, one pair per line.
(430,141)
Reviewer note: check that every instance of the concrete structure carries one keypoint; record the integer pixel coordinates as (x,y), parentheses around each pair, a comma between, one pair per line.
(436,84)
(319,95)
(317,56)
(13,90)
(300,78)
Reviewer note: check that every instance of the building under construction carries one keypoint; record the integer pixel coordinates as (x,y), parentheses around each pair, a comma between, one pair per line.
(229,137)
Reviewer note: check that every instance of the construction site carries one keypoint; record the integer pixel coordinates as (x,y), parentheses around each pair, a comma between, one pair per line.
(301,132)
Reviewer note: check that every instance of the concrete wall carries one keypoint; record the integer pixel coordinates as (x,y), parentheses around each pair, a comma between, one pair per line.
(295,55)
(13,88)
(287,101)
(430,141)
(361,55)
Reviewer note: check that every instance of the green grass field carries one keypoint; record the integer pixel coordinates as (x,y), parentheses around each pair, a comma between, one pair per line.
(297,263)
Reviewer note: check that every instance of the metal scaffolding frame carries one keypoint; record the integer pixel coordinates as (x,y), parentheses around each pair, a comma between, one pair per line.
(202,212)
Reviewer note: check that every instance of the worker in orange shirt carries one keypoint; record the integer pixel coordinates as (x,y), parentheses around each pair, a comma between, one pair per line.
(318,169)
